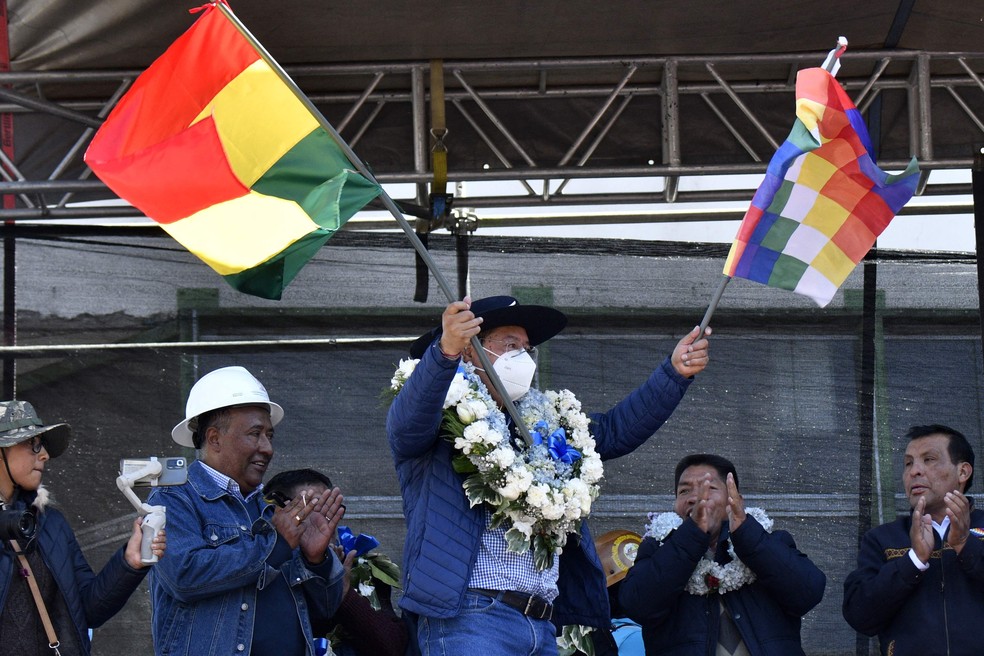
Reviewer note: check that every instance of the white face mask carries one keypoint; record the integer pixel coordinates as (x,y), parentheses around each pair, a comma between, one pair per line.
(515,370)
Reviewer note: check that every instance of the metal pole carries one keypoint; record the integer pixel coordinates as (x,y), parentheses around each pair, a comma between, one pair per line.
(713,304)
(388,203)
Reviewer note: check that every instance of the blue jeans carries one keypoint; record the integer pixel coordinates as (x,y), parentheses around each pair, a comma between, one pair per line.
(488,627)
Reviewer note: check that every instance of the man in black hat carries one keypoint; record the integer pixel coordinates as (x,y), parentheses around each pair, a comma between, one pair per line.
(464,582)
(39,546)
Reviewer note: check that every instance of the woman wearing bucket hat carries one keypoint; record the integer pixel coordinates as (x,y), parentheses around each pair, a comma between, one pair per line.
(55,597)
(488,559)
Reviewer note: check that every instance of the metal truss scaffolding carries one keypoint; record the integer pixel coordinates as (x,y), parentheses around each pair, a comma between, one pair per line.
(542,130)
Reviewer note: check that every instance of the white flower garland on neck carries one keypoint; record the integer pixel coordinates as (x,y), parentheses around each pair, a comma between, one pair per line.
(540,492)
(729,577)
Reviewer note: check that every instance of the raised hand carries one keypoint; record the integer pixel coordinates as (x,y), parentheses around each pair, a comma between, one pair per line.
(459,324)
(347,560)
(707,513)
(320,525)
(690,355)
(289,520)
(736,505)
(958,510)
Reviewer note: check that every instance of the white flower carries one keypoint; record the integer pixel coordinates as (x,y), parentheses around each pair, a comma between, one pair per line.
(457,390)
(476,432)
(479,407)
(402,373)
(592,469)
(524,524)
(503,457)
(517,482)
(537,495)
(366,589)
(555,509)
(465,412)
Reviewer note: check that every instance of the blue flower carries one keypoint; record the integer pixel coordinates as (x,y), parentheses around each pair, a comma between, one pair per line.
(361,544)
(537,433)
(559,449)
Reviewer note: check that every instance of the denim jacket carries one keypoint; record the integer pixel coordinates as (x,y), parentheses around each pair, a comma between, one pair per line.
(204,590)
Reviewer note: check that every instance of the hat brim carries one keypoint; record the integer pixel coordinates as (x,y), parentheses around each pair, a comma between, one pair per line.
(540,322)
(185,436)
(56,437)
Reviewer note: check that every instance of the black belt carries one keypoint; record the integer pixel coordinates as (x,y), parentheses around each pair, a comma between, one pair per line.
(527,604)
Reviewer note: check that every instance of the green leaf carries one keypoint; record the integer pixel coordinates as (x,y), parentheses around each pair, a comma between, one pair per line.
(516,541)
(574,639)
(463,465)
(452,426)
(478,492)
(543,552)
(386,571)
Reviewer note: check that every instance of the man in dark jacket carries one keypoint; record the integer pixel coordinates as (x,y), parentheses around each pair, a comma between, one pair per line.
(711,579)
(471,593)
(898,592)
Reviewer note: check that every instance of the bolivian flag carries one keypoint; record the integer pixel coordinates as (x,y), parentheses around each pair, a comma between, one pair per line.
(214,146)
(823,201)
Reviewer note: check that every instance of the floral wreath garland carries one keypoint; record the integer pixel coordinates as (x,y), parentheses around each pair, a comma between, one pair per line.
(543,490)
(710,576)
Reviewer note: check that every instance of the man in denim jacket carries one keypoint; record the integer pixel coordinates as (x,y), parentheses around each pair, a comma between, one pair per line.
(247,577)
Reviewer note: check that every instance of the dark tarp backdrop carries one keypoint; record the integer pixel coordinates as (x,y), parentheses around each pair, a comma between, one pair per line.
(781,397)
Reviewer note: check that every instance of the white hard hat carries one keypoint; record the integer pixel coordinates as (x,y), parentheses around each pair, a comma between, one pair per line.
(223,388)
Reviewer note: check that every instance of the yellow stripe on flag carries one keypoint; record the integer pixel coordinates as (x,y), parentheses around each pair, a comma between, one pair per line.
(833,264)
(810,112)
(258,120)
(238,234)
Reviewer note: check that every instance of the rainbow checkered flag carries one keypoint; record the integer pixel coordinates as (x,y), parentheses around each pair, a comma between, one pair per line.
(212,144)
(823,202)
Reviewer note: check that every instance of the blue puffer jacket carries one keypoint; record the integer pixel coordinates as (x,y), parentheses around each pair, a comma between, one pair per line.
(91,598)
(443,533)
(767,611)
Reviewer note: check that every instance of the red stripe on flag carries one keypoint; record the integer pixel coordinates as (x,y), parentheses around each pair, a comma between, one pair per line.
(168,96)
(192,160)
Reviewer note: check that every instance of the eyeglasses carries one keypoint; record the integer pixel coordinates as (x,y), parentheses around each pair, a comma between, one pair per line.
(38,442)
(512,345)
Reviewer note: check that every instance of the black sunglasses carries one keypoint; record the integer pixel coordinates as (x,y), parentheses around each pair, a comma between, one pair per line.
(38,442)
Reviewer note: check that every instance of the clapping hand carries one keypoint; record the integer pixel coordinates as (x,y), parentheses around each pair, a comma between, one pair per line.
(736,505)
(921,532)
(958,510)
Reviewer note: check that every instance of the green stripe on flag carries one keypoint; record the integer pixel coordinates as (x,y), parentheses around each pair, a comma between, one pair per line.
(316,175)
(802,138)
(315,160)
(779,234)
(787,272)
(781,198)
(268,280)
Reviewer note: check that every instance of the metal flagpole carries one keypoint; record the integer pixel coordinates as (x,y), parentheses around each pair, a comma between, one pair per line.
(387,202)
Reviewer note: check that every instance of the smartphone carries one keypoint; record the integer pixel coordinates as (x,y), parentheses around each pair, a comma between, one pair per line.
(174,471)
